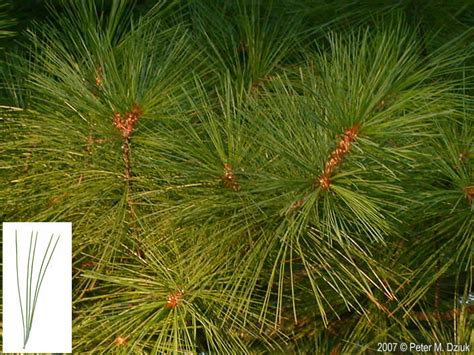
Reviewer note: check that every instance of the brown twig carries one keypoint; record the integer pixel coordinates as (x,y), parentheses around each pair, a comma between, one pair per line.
(298,204)
(335,159)
(126,125)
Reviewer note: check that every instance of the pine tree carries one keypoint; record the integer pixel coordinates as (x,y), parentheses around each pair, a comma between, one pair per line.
(250,177)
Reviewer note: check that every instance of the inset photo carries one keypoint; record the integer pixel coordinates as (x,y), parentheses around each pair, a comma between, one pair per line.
(37,287)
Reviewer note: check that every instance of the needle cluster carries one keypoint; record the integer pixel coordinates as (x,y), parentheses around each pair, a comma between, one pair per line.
(28,297)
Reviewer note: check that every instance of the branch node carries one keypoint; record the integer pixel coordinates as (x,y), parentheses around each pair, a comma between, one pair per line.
(119,341)
(126,123)
(229,179)
(174,299)
(469,192)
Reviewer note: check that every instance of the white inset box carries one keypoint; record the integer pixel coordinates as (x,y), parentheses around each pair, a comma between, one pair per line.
(37,289)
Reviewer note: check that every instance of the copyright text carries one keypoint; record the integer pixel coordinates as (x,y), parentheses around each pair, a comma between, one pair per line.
(436,347)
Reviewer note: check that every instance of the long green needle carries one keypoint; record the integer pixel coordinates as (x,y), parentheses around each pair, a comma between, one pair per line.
(33,285)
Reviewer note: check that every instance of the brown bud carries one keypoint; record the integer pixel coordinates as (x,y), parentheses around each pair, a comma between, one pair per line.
(119,341)
(229,179)
(174,299)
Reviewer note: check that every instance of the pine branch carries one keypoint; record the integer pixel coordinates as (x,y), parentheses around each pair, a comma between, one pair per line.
(235,185)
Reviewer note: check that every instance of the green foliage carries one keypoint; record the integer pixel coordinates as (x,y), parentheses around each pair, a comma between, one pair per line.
(245,177)
(5,22)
